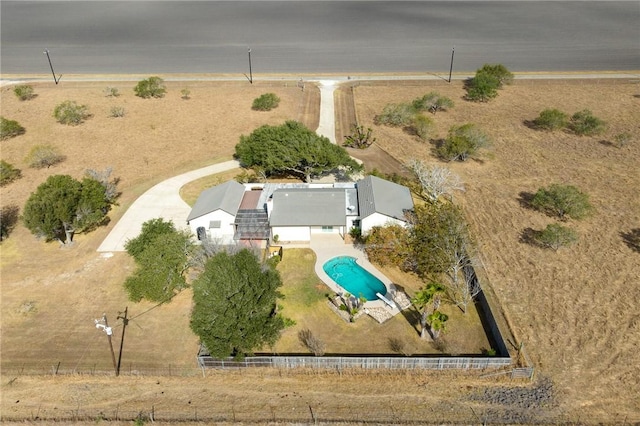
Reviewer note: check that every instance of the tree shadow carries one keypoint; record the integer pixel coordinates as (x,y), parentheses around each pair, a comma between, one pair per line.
(632,239)
(606,143)
(412,315)
(530,236)
(525,199)
(531,124)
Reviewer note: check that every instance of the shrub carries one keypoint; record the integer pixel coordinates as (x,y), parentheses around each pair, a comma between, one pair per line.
(499,72)
(117,111)
(395,115)
(111,92)
(311,342)
(8,173)
(551,119)
(9,128)
(359,137)
(488,79)
(555,236)
(562,201)
(422,126)
(622,139)
(266,102)
(462,142)
(186,94)
(24,92)
(70,113)
(584,123)
(432,102)
(152,87)
(42,156)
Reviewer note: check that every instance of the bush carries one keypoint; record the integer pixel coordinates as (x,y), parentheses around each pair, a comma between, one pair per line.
(395,115)
(266,102)
(432,102)
(359,137)
(584,123)
(117,111)
(555,236)
(42,156)
(499,72)
(462,142)
(422,126)
(111,92)
(8,173)
(551,119)
(24,92)
(562,201)
(313,343)
(622,139)
(10,128)
(186,94)
(70,113)
(152,87)
(482,88)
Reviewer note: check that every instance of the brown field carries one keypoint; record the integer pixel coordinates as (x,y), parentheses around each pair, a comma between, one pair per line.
(574,309)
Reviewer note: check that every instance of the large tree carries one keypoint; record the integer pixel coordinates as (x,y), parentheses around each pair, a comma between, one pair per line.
(292,149)
(441,244)
(163,255)
(235,309)
(63,205)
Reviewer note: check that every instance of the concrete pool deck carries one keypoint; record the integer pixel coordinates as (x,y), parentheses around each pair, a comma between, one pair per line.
(328,246)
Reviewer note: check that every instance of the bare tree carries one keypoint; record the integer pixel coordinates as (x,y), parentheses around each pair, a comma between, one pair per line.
(435,180)
(311,341)
(110,184)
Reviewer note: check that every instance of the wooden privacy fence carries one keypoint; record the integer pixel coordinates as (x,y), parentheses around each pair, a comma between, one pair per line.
(343,362)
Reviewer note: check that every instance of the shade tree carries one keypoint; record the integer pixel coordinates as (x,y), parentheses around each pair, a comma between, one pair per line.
(292,149)
(235,305)
(163,257)
(62,206)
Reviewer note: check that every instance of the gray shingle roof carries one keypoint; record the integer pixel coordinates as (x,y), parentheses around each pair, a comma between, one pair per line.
(226,197)
(308,207)
(384,197)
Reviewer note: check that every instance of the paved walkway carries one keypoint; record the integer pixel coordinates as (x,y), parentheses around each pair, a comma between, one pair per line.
(327,124)
(163,200)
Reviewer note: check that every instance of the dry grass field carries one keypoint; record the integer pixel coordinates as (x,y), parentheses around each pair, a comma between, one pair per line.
(574,309)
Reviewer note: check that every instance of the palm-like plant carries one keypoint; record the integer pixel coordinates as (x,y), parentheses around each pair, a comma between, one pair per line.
(423,300)
(436,322)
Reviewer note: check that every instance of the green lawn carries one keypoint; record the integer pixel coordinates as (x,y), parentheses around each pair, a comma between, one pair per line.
(305,302)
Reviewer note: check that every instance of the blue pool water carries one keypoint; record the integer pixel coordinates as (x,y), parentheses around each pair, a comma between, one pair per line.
(353,278)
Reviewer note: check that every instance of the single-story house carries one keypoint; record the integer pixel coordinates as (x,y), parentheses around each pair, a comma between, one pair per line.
(294,212)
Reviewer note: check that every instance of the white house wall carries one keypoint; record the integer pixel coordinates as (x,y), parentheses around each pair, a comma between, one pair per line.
(224,233)
(378,219)
(291,233)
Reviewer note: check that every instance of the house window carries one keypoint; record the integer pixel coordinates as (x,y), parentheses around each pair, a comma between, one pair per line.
(327,229)
(214,224)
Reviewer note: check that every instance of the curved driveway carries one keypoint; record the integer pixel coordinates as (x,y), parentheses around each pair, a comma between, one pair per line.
(163,200)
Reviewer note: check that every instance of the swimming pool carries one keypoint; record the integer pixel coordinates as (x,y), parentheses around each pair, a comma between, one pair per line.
(353,278)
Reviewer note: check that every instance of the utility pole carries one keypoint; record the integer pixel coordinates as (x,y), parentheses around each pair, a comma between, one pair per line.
(56,80)
(109,331)
(453,51)
(125,322)
(250,72)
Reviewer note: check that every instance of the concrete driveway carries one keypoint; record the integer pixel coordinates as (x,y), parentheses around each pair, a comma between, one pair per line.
(163,200)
